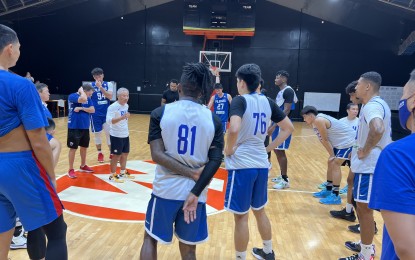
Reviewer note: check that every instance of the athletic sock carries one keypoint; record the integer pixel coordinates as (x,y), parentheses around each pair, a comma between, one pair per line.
(366,251)
(336,189)
(349,208)
(122,171)
(285,177)
(329,185)
(241,255)
(267,246)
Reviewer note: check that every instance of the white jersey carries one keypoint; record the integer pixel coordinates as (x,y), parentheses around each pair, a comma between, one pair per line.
(120,129)
(352,123)
(280,96)
(375,108)
(187,137)
(338,134)
(250,151)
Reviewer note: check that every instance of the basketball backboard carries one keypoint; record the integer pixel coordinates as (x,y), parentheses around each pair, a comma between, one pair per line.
(221,60)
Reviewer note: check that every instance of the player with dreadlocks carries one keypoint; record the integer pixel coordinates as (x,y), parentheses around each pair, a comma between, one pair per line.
(186,142)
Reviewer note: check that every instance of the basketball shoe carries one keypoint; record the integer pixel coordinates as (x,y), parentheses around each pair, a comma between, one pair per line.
(72,174)
(85,168)
(115,178)
(126,175)
(342,214)
(100,157)
(260,254)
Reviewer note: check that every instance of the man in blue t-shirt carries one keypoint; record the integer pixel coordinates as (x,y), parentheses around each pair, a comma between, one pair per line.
(221,102)
(27,187)
(393,190)
(80,108)
(101,98)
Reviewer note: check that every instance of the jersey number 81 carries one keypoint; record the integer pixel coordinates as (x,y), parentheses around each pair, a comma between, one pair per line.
(183,139)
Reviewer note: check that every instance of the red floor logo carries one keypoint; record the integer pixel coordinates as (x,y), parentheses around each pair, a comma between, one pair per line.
(93,195)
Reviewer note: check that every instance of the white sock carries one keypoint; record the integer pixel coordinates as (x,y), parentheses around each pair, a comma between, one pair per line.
(366,250)
(241,255)
(122,171)
(267,246)
(349,208)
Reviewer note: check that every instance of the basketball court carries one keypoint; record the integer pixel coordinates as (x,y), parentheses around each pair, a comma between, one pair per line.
(105,219)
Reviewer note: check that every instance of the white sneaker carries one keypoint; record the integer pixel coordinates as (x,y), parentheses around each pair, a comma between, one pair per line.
(281,185)
(19,242)
(277,179)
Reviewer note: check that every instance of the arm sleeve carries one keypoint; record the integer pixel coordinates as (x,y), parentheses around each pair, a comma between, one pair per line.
(29,107)
(238,107)
(154,130)
(288,95)
(277,114)
(215,156)
(373,110)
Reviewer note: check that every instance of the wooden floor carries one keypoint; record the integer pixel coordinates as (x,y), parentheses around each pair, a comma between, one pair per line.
(301,227)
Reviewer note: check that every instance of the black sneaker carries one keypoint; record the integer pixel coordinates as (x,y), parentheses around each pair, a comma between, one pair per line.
(354,246)
(354,257)
(343,214)
(259,254)
(356,228)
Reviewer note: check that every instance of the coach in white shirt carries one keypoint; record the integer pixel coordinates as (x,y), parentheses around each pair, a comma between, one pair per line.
(117,118)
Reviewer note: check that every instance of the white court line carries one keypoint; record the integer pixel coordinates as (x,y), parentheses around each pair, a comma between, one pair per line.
(298,191)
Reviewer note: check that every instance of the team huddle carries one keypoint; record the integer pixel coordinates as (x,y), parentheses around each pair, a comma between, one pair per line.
(187,143)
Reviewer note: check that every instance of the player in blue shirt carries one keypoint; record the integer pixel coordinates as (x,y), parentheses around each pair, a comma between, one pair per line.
(394,185)
(80,108)
(44,96)
(221,102)
(101,99)
(28,181)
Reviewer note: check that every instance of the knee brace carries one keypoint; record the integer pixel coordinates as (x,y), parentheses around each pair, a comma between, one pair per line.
(107,133)
(97,137)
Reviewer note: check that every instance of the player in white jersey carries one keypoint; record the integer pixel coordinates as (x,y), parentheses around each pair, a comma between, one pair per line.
(246,159)
(338,140)
(186,142)
(373,135)
(352,120)
(117,118)
(286,100)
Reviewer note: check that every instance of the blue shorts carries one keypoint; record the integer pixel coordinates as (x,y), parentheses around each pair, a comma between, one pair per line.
(286,144)
(362,187)
(163,214)
(246,188)
(97,122)
(342,153)
(26,191)
(224,124)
